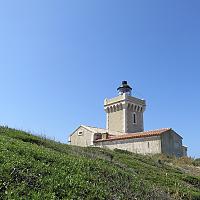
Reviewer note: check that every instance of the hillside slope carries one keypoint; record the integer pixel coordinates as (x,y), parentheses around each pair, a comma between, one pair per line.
(32,167)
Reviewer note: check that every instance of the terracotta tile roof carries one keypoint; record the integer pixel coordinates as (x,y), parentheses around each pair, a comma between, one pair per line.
(135,135)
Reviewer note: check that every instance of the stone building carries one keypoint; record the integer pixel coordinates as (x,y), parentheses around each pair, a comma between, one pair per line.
(125,129)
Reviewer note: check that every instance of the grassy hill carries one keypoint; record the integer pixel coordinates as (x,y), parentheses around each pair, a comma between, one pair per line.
(32,167)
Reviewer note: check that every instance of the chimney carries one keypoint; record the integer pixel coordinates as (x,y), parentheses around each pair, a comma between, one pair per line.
(104,136)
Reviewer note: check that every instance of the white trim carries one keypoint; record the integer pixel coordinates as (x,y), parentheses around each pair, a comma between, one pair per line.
(107,120)
(125,120)
(92,139)
(124,124)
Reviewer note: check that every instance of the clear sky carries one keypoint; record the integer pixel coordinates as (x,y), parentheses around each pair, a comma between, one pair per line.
(59,59)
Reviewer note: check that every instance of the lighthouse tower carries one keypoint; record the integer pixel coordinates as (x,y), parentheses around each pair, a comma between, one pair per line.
(124,113)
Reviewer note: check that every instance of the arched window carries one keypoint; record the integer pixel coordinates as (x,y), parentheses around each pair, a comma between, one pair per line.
(135,107)
(111,109)
(132,107)
(114,108)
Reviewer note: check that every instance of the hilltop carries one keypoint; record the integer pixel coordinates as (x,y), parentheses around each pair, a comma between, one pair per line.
(32,167)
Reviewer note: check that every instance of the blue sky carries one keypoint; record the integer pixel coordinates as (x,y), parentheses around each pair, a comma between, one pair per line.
(60,59)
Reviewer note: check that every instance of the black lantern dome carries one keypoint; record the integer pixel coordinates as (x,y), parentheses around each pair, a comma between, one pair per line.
(124,88)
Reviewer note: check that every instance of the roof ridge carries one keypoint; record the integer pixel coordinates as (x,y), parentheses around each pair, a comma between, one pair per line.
(125,133)
(92,126)
(94,129)
(155,130)
(110,132)
(158,129)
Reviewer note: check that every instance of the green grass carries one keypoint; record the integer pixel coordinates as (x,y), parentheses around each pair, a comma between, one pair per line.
(33,167)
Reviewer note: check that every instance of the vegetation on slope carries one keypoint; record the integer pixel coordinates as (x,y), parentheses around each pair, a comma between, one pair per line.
(32,167)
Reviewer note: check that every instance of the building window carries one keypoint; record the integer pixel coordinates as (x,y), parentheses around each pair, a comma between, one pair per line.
(134,118)
(80,133)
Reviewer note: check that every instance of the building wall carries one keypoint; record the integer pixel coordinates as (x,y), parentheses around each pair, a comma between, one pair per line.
(148,145)
(171,143)
(168,143)
(120,111)
(131,127)
(84,139)
(116,121)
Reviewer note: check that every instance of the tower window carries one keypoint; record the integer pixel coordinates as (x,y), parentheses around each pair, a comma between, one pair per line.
(134,118)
